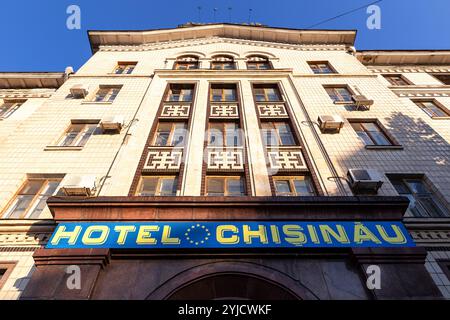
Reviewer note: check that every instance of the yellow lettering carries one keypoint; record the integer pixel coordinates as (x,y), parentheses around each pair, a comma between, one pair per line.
(275,234)
(249,234)
(399,237)
(123,232)
(340,235)
(294,234)
(61,233)
(144,235)
(362,233)
(101,239)
(166,239)
(220,234)
(313,234)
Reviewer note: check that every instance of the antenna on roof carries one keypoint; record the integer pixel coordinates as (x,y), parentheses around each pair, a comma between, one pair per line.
(229,14)
(249,14)
(199,13)
(215,9)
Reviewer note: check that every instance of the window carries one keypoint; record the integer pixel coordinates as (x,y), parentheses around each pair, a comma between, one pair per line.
(258,63)
(319,67)
(224,134)
(180,92)
(339,94)
(225,186)
(277,134)
(77,134)
(293,186)
(125,67)
(422,202)
(396,79)
(223,63)
(31,199)
(445,267)
(444,78)
(106,94)
(186,63)
(223,93)
(170,134)
(266,92)
(158,186)
(432,109)
(7,107)
(5,270)
(371,133)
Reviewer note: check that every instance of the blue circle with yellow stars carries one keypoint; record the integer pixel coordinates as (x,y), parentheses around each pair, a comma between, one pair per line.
(197,234)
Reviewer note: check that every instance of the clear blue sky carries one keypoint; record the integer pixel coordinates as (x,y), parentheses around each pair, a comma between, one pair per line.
(34,36)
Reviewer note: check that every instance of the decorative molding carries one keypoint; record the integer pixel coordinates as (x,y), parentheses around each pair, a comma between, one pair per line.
(35,239)
(286,159)
(431,236)
(225,159)
(213,40)
(223,111)
(411,69)
(277,110)
(25,94)
(164,159)
(172,110)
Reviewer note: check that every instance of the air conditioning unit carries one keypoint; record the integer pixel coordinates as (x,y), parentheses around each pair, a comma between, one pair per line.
(364,180)
(79,91)
(330,123)
(79,186)
(113,123)
(362,101)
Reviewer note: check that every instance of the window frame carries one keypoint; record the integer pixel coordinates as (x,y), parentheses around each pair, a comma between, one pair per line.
(126,66)
(107,95)
(16,104)
(225,178)
(224,134)
(9,267)
(316,63)
(223,87)
(291,180)
(381,128)
(222,63)
(265,86)
(171,134)
(158,185)
(278,136)
(401,77)
(79,137)
(420,103)
(344,86)
(6,213)
(436,75)
(265,61)
(183,86)
(188,63)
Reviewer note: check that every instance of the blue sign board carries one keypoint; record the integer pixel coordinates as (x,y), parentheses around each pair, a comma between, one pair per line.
(230,234)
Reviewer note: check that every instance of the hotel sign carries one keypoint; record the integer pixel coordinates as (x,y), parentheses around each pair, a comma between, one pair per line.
(229,234)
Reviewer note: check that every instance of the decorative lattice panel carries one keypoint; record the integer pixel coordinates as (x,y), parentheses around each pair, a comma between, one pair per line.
(272,111)
(163,160)
(286,160)
(225,160)
(175,111)
(224,111)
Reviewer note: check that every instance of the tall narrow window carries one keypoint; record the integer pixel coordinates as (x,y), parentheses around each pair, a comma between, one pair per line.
(186,63)
(31,199)
(321,67)
(339,94)
(223,63)
(77,134)
(258,63)
(225,186)
(158,186)
(422,202)
(223,93)
(396,79)
(180,92)
(106,93)
(224,134)
(267,92)
(7,107)
(277,133)
(432,109)
(293,186)
(125,67)
(170,134)
(371,133)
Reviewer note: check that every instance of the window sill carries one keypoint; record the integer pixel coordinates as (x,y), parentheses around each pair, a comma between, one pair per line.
(350,103)
(394,147)
(434,118)
(60,148)
(96,102)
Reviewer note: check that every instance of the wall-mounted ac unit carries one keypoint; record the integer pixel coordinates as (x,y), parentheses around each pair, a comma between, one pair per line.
(362,101)
(79,91)
(79,186)
(112,123)
(364,180)
(330,123)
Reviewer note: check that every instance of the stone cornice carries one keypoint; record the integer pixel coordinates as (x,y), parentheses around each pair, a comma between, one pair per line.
(408,69)
(25,94)
(212,40)
(421,91)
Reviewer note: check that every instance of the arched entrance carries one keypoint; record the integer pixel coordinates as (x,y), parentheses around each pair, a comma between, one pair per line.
(232,286)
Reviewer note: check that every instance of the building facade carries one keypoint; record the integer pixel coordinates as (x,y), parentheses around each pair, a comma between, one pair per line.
(244,129)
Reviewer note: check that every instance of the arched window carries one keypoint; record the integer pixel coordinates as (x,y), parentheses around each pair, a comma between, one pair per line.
(257,62)
(223,62)
(187,62)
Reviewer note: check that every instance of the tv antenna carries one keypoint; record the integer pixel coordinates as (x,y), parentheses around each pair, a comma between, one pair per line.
(249,14)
